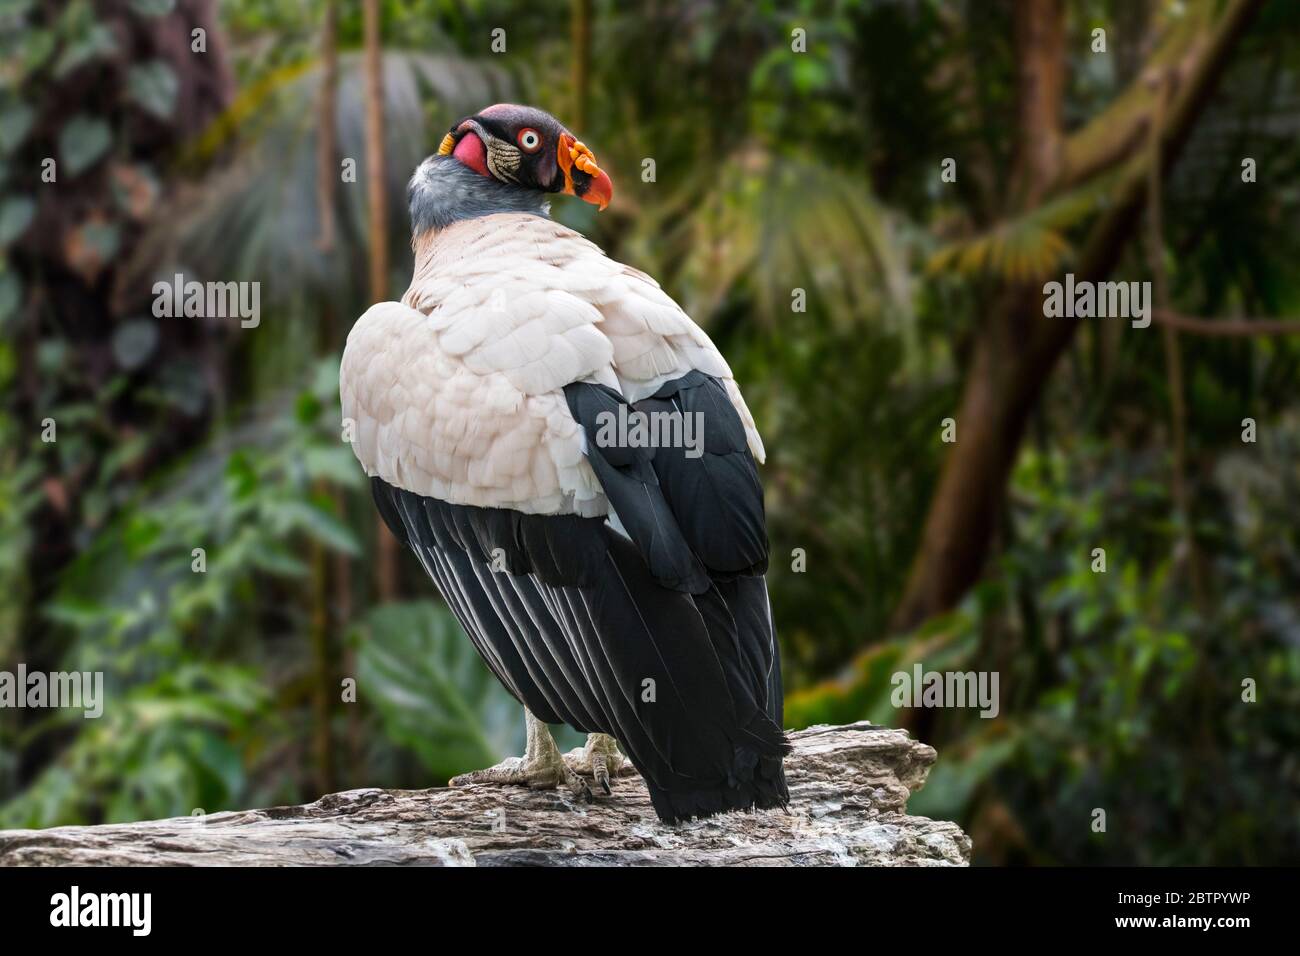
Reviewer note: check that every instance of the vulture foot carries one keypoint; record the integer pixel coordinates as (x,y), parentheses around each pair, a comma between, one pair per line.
(537,774)
(542,767)
(600,759)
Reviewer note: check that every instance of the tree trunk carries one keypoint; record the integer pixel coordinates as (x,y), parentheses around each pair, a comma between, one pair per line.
(581,63)
(1040,49)
(386,568)
(1017,348)
(1003,383)
(327,173)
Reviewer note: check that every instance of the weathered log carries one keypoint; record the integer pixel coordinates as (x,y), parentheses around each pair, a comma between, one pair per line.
(848,786)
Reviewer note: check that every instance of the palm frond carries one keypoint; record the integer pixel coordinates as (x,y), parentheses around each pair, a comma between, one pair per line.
(267,194)
(1028,248)
(777,225)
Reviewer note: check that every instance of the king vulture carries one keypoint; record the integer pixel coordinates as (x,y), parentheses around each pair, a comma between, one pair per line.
(611,581)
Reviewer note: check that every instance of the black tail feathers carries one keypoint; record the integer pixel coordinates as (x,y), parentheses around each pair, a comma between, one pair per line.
(757,782)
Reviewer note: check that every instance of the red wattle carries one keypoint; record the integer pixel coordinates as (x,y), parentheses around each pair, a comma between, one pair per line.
(470,152)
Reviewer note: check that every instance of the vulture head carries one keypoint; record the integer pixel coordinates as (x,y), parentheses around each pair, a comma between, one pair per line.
(525,147)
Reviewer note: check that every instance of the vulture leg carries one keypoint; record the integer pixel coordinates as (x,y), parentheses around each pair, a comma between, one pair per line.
(600,759)
(542,767)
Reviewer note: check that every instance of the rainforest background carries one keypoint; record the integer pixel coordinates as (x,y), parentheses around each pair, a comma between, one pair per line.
(797,146)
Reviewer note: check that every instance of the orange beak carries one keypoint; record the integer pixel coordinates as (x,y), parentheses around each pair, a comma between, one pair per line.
(591,184)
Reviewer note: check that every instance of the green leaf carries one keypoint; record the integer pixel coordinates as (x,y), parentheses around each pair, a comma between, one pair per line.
(307,408)
(134,342)
(274,560)
(153,8)
(75,612)
(102,238)
(11,295)
(14,10)
(82,142)
(140,534)
(338,465)
(126,452)
(433,693)
(325,379)
(153,86)
(222,763)
(15,123)
(949,787)
(318,524)
(16,214)
(810,75)
(37,48)
(97,42)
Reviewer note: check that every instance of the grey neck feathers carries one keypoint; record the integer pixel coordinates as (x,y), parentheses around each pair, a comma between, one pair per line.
(443,191)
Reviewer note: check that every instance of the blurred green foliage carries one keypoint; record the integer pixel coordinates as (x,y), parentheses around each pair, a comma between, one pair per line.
(773,171)
(1116,691)
(432,692)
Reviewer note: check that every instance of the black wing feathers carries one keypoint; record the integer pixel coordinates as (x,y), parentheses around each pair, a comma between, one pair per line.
(661,637)
(628,479)
(715,496)
(695,513)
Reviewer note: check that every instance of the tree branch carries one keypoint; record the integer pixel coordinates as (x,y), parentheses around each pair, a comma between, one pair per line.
(1193,80)
(1120,131)
(848,798)
(1226,328)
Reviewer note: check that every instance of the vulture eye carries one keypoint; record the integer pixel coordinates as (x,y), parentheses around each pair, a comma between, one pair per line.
(530,141)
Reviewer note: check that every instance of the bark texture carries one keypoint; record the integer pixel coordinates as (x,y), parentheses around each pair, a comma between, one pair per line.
(849,787)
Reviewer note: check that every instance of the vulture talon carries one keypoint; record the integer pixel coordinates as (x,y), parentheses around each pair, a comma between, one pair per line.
(600,772)
(601,760)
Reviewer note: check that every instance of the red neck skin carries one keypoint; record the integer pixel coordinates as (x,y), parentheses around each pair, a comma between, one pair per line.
(470,152)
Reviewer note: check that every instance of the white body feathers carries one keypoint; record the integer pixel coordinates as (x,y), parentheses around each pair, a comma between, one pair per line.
(456,392)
